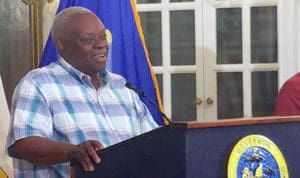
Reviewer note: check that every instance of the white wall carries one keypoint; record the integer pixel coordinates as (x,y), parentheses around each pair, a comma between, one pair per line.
(5,161)
(288,38)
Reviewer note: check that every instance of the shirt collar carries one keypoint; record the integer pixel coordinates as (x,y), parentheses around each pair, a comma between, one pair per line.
(80,75)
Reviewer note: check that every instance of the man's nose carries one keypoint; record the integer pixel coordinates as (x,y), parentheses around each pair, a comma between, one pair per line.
(101,44)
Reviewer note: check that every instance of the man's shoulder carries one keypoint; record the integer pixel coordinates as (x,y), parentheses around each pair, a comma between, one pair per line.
(43,74)
(294,80)
(292,84)
(295,77)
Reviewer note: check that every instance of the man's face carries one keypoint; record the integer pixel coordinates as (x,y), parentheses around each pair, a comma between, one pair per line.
(85,45)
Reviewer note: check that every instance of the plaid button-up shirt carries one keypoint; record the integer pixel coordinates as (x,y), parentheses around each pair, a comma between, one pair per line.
(60,103)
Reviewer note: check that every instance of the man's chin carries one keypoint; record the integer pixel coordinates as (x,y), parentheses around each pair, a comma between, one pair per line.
(101,67)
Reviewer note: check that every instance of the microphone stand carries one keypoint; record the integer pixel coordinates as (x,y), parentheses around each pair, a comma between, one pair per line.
(143,94)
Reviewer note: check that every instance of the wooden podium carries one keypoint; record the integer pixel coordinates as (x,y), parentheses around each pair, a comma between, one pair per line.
(194,150)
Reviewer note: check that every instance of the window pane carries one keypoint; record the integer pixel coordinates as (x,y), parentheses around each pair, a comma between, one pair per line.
(264,90)
(229,36)
(147,1)
(230,95)
(263,34)
(151,22)
(182,37)
(183,96)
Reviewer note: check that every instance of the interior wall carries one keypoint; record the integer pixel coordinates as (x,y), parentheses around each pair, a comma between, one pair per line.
(14,44)
(15,55)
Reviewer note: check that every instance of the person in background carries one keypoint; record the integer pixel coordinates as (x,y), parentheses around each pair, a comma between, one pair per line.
(67,111)
(288,100)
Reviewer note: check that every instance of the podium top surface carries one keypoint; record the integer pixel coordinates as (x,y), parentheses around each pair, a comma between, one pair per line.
(237,122)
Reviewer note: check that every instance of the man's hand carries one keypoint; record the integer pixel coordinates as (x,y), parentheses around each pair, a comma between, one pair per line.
(86,153)
(47,152)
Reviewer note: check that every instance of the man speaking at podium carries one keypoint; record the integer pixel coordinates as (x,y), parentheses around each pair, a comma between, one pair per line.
(72,108)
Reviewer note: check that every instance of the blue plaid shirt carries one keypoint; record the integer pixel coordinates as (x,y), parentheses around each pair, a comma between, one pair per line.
(59,102)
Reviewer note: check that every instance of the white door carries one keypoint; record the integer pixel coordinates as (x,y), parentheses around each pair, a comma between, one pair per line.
(215,59)
(240,58)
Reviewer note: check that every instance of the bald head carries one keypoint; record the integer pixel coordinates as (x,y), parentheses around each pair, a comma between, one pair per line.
(80,39)
(63,18)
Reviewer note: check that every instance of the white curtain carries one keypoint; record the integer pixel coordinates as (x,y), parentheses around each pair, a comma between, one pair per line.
(288,38)
(5,161)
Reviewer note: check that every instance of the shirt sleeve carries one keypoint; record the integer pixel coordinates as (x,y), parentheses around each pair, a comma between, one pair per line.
(30,112)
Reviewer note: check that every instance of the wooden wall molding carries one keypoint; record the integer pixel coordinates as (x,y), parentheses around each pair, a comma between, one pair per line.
(35,25)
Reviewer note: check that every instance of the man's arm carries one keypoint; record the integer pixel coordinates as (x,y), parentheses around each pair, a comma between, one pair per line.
(42,151)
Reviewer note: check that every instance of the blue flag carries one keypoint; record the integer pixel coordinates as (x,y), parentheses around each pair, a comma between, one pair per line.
(128,53)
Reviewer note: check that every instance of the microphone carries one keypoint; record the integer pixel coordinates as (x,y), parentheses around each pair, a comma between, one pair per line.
(143,94)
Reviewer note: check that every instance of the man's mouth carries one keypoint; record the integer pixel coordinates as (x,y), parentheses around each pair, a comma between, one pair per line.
(100,57)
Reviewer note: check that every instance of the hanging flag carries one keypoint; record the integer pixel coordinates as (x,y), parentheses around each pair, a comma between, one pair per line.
(6,168)
(128,54)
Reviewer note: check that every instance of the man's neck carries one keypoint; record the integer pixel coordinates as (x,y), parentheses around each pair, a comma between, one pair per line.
(96,80)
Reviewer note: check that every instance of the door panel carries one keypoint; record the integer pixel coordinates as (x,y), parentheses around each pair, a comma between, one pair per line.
(182,28)
(264,90)
(229,36)
(183,95)
(230,95)
(264,35)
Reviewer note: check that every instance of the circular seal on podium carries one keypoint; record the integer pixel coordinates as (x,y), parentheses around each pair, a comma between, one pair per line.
(256,156)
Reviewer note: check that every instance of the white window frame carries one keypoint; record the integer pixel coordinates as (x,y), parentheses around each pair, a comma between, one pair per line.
(166,69)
